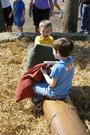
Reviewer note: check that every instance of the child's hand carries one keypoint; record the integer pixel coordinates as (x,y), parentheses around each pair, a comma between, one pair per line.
(48,63)
(44,70)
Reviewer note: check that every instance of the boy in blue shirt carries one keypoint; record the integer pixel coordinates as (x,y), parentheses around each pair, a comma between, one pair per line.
(19,14)
(58,84)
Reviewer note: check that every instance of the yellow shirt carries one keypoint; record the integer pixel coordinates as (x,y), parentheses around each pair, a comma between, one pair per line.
(43,41)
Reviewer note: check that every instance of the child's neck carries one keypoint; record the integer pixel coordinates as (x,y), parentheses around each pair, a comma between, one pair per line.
(45,38)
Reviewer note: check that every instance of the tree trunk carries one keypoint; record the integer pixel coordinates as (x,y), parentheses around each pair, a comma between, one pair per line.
(70,16)
(2,23)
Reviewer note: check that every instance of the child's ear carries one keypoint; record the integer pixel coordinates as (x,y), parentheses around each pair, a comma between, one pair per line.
(58,53)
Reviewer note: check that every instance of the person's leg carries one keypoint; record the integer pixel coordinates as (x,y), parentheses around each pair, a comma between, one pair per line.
(9,28)
(40,88)
(20,28)
(20,31)
(81,6)
(83,20)
(9,19)
(59,8)
(19,25)
(36,18)
(42,14)
(88,24)
(36,99)
(57,5)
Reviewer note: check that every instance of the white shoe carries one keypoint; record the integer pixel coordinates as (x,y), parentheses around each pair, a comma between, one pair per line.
(20,34)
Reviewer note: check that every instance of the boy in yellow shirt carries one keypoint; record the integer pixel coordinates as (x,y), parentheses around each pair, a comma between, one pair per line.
(45,29)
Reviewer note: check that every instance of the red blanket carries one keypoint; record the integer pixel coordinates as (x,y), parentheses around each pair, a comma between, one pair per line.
(24,86)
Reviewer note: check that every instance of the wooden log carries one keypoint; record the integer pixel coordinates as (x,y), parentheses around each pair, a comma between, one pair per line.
(73,36)
(62,118)
(30,36)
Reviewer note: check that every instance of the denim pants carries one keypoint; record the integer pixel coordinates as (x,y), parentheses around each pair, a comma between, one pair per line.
(80,9)
(85,19)
(42,89)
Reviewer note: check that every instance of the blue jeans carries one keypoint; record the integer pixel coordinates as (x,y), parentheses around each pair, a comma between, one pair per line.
(85,18)
(42,90)
(80,8)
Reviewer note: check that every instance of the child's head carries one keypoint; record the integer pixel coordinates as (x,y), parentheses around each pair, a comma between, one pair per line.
(45,28)
(62,47)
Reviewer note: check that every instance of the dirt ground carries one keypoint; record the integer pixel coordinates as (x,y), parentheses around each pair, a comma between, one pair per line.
(23,118)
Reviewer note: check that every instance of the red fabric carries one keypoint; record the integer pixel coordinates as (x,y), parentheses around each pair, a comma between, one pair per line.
(24,86)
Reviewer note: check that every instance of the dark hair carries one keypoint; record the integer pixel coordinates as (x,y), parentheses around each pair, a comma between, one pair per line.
(64,46)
